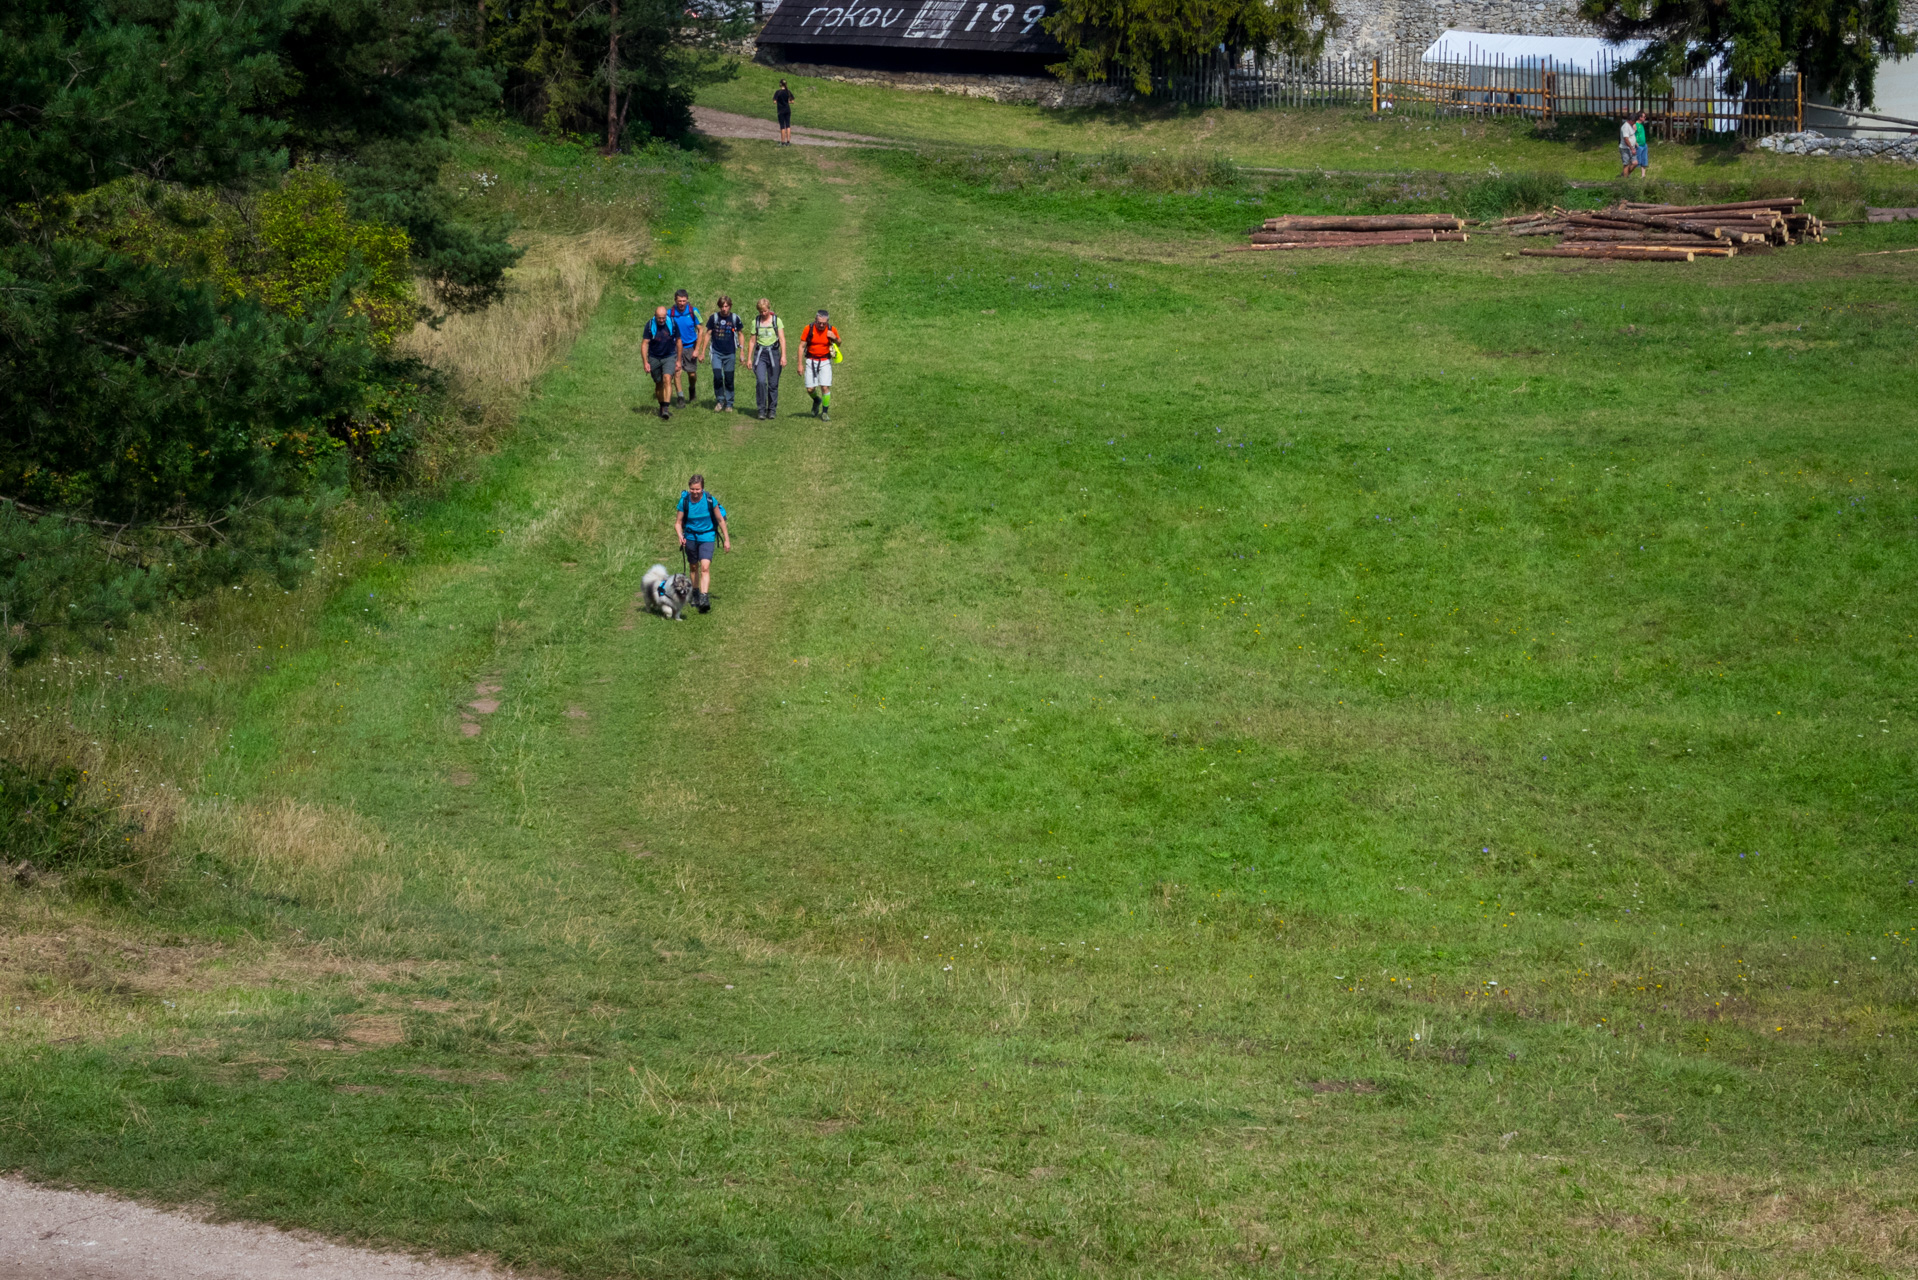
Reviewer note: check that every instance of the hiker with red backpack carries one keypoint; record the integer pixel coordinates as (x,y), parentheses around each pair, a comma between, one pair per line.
(819,345)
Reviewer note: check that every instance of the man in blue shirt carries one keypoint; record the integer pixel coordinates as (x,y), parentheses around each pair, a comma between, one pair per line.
(699,517)
(661,343)
(685,317)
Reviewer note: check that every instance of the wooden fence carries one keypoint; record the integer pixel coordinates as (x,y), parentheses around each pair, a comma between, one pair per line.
(1401,82)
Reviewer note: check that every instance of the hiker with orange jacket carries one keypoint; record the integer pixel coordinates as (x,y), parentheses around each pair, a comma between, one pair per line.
(819,346)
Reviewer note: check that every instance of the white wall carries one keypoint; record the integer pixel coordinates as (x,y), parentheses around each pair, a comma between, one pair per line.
(1897,94)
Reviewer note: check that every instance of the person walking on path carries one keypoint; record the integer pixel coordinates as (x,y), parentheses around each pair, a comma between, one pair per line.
(699,517)
(819,344)
(721,343)
(685,316)
(783,102)
(1642,138)
(766,356)
(1627,146)
(662,357)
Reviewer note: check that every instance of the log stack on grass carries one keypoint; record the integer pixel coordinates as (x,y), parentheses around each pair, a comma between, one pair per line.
(1674,232)
(1354,232)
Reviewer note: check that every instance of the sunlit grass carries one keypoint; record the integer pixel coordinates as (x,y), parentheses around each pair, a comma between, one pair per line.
(1363,762)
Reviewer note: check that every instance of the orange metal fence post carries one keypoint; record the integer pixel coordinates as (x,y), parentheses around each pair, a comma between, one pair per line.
(1798,121)
(1375,86)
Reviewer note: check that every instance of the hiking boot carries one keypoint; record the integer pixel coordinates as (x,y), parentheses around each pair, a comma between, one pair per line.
(719,408)
(705,603)
(665,415)
(825,415)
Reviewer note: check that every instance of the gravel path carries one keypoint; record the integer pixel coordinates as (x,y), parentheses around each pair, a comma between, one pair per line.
(77,1235)
(726,124)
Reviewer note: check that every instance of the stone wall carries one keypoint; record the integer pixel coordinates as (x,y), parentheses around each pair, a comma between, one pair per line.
(1812,143)
(1372,26)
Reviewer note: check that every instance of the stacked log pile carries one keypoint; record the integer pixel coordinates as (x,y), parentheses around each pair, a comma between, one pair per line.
(1673,233)
(1356,232)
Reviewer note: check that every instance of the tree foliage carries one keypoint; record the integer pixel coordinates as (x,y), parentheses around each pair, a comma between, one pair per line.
(1835,45)
(555,54)
(378,87)
(1130,39)
(194,342)
(212,215)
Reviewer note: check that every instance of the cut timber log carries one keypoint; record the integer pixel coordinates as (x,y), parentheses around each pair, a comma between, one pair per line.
(1380,222)
(1704,248)
(1622,252)
(1542,229)
(1596,235)
(1343,237)
(1350,242)
(1782,202)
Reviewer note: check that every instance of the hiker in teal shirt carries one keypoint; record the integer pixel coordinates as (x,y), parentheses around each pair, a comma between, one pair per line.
(699,517)
(685,318)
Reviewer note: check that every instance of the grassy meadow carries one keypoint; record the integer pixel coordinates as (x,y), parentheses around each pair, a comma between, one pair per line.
(1287,764)
(1287,138)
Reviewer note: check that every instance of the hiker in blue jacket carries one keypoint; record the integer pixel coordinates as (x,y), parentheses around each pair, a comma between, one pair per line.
(685,318)
(699,517)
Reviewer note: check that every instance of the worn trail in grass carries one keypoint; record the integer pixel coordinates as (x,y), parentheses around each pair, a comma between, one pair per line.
(1205,766)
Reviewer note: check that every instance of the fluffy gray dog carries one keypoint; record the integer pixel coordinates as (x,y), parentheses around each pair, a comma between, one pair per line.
(667,594)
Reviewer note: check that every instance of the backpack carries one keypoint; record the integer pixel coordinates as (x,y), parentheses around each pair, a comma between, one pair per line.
(655,329)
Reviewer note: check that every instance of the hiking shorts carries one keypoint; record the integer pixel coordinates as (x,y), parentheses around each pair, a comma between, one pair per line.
(697,551)
(1644,157)
(818,372)
(1627,153)
(661,367)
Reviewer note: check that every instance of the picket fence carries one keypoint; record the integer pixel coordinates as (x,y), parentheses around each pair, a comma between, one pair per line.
(1401,82)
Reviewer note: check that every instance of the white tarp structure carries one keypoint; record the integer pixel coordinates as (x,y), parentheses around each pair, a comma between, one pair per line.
(1586,54)
(1897,95)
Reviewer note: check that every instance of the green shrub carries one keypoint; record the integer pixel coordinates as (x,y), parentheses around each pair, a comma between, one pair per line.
(1505,194)
(55,818)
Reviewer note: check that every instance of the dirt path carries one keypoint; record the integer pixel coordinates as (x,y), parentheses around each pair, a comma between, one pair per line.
(725,124)
(527,761)
(77,1235)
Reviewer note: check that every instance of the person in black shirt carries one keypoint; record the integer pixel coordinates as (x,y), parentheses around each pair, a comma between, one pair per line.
(661,339)
(721,341)
(784,101)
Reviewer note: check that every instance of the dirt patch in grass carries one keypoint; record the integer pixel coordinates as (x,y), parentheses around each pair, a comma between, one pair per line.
(77,980)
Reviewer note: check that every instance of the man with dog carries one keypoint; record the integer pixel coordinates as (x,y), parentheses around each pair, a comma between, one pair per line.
(697,519)
(661,339)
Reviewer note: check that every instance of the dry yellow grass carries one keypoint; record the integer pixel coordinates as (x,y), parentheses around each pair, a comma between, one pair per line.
(315,852)
(494,355)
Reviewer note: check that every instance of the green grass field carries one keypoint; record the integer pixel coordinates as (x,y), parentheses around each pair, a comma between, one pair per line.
(1306,138)
(1377,764)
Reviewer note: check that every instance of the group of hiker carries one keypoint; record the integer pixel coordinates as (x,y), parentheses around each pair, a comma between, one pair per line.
(678,340)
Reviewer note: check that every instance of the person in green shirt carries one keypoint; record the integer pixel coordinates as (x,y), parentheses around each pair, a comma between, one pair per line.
(1644,140)
(766,356)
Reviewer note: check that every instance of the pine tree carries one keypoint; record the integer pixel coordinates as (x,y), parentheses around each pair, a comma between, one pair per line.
(1835,45)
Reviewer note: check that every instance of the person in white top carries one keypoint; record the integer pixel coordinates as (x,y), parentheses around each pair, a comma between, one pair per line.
(1627,147)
